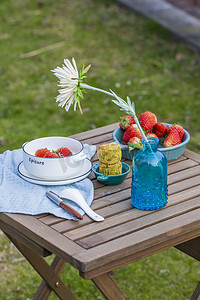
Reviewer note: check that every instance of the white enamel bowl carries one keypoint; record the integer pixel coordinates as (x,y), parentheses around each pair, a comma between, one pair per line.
(53,168)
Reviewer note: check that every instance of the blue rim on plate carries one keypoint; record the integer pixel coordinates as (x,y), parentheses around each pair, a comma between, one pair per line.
(36,180)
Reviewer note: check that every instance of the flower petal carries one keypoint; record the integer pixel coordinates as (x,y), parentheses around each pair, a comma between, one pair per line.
(68,77)
(70,67)
(69,102)
(75,67)
(63,91)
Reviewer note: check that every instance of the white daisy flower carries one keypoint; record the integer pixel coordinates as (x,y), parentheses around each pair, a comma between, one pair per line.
(72,88)
(68,81)
(71,83)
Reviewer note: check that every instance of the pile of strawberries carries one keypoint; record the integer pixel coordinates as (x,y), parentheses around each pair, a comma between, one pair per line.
(61,152)
(168,136)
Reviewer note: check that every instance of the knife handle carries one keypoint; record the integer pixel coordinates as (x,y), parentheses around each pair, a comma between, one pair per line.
(72,211)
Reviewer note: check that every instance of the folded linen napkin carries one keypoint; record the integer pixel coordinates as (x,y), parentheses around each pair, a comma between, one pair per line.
(20,196)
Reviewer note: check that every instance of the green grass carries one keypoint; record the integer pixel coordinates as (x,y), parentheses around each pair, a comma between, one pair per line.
(129,54)
(168,275)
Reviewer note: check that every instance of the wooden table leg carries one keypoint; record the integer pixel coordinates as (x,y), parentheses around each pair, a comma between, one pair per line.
(44,290)
(196,294)
(46,272)
(192,248)
(108,287)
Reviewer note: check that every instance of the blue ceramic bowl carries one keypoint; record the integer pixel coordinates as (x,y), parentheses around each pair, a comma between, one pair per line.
(170,152)
(111,179)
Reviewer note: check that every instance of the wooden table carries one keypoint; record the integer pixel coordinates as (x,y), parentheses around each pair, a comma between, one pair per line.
(126,235)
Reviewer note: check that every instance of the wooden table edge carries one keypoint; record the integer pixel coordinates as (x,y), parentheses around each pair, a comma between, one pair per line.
(139,255)
(90,259)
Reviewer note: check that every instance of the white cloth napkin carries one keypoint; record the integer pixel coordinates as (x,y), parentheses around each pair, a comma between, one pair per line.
(20,196)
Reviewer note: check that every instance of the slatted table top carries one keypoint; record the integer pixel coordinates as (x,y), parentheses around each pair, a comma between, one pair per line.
(127,234)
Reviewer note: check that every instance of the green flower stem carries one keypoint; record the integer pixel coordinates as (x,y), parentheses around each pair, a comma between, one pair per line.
(138,124)
(129,108)
(85,86)
(125,106)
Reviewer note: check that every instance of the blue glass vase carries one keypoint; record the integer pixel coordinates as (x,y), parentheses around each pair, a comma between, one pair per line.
(149,177)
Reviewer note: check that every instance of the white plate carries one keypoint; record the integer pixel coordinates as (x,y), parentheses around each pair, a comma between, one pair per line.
(85,171)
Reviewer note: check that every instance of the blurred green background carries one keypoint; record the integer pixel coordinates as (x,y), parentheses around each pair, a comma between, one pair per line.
(130,55)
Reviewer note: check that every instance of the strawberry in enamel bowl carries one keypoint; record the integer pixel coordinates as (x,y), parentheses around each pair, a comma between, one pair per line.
(147,120)
(177,127)
(160,129)
(41,152)
(151,134)
(125,122)
(51,155)
(132,131)
(172,139)
(61,152)
(135,142)
(64,152)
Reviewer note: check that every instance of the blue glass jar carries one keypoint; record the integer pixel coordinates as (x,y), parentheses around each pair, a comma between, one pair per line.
(149,177)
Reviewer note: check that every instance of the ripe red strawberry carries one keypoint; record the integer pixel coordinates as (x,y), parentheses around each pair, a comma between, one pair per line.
(160,129)
(41,152)
(135,142)
(125,122)
(51,155)
(147,120)
(132,131)
(151,134)
(172,139)
(179,128)
(64,151)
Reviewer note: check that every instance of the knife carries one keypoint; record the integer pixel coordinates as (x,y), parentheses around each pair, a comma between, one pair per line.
(76,196)
(56,199)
